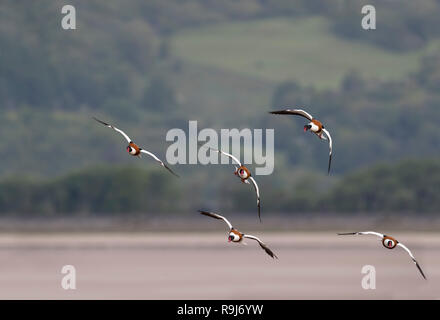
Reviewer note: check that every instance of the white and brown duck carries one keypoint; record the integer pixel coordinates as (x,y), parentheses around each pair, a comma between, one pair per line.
(245,175)
(389,243)
(314,126)
(133,149)
(236,236)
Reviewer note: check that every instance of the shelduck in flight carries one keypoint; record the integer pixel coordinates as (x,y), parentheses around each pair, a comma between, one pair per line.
(314,126)
(134,149)
(389,243)
(236,236)
(244,174)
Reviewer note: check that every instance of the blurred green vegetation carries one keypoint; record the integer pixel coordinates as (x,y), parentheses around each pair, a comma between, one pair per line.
(277,50)
(410,186)
(149,66)
(369,120)
(402,26)
(96,190)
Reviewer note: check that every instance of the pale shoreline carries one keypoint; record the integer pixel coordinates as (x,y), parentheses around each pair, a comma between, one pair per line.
(162,265)
(217,239)
(194,222)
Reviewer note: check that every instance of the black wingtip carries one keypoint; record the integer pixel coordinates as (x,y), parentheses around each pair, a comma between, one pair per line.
(329,165)
(94,118)
(273,255)
(421,272)
(346,233)
(210,214)
(102,122)
(205,213)
(175,174)
(171,171)
(270,253)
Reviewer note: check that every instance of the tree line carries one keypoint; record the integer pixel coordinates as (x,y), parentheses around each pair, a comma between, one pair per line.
(410,186)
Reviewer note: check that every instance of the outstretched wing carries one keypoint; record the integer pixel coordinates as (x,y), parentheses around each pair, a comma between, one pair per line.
(330,145)
(297,112)
(160,161)
(216,216)
(262,245)
(227,154)
(114,128)
(413,259)
(362,233)
(257,191)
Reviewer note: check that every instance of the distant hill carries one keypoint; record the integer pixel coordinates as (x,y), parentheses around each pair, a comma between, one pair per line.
(148,66)
(301,49)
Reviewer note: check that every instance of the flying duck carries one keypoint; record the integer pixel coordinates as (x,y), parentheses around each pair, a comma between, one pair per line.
(133,149)
(389,243)
(236,236)
(314,126)
(244,174)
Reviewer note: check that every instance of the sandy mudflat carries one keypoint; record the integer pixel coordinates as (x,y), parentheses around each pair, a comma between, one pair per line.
(204,266)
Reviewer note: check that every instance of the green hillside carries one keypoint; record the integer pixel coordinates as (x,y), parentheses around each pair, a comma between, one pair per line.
(300,49)
(150,66)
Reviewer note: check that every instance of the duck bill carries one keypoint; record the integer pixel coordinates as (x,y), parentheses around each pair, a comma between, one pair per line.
(307,127)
